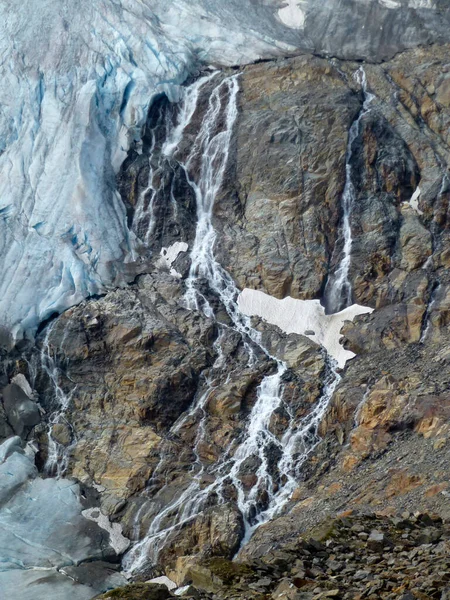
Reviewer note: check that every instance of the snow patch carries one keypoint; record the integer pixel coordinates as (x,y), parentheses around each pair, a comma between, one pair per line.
(118,542)
(169,256)
(410,4)
(414,202)
(304,317)
(170,585)
(292,15)
(390,3)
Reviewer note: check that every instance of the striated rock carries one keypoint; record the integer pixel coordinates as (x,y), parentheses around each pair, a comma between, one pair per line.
(124,362)
(158,395)
(415,241)
(287,177)
(377,541)
(217,532)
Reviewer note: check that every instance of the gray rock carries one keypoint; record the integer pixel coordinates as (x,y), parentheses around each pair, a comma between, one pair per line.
(22,412)
(360,575)
(429,536)
(377,541)
(264,582)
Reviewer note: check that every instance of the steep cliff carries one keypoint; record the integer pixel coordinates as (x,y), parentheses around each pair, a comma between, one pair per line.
(78,79)
(280,353)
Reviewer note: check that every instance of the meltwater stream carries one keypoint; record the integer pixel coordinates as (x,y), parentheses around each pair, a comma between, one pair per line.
(338,291)
(205,167)
(58,453)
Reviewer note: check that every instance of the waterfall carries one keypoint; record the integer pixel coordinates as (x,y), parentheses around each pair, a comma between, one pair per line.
(205,167)
(338,291)
(157,158)
(427,325)
(58,454)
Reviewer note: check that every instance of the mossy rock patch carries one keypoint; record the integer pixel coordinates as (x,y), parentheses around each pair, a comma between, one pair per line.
(138,591)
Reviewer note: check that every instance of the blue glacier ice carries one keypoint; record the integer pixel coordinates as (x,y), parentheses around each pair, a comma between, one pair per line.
(77,79)
(45,531)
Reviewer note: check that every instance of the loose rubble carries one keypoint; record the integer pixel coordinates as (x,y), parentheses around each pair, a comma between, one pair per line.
(355,556)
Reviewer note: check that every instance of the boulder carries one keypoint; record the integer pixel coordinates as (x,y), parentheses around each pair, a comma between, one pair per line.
(22,412)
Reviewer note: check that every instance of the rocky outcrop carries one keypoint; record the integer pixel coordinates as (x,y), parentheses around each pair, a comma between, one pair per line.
(139,591)
(147,402)
(279,218)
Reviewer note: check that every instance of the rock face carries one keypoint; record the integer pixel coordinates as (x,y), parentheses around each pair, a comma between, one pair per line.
(78,85)
(204,432)
(355,555)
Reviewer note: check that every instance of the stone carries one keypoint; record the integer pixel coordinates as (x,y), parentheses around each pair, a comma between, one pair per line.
(139,591)
(265,582)
(62,434)
(285,590)
(377,541)
(22,412)
(429,536)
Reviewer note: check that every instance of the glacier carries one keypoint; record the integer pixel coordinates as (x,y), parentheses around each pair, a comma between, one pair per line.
(78,79)
(77,82)
(46,536)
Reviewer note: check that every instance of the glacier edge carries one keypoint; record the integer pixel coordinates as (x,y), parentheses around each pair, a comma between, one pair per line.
(78,80)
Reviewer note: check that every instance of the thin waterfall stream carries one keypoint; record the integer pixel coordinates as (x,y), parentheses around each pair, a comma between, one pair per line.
(338,291)
(205,167)
(58,453)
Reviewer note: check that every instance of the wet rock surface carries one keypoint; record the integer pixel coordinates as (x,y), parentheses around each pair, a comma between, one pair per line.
(157,396)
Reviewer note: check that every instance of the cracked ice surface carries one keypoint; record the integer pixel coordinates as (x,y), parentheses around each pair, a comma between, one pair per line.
(77,81)
(42,529)
(305,317)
